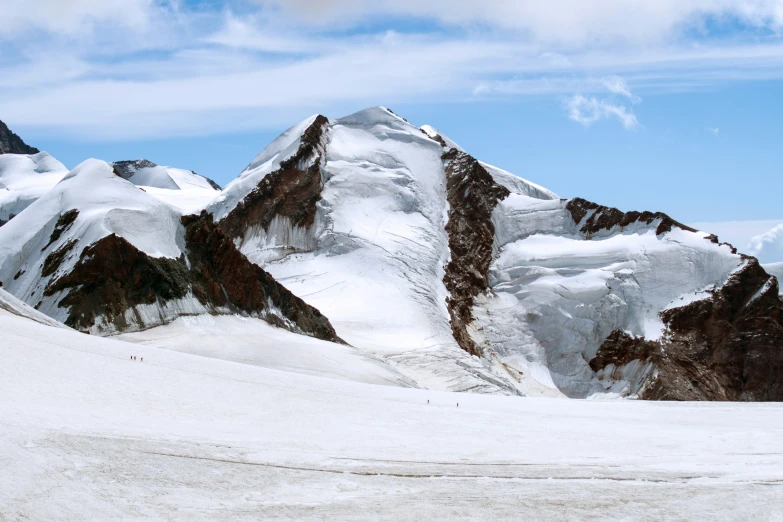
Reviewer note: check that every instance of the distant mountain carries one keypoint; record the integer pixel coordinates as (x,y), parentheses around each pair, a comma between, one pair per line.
(462,276)
(10,143)
(184,189)
(25,178)
(146,173)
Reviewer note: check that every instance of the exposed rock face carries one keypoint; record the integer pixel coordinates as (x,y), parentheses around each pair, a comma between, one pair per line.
(10,143)
(727,347)
(291,191)
(222,276)
(64,222)
(112,276)
(600,218)
(472,195)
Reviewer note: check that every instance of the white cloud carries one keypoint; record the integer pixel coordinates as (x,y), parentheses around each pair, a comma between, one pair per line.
(737,233)
(715,131)
(563,21)
(590,110)
(171,69)
(768,247)
(70,16)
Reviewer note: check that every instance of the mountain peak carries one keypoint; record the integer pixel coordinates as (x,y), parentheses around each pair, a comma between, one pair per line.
(11,143)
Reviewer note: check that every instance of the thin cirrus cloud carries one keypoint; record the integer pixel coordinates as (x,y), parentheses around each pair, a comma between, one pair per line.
(71,17)
(567,21)
(129,68)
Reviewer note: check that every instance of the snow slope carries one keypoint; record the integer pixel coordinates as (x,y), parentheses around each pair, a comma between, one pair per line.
(11,305)
(24,179)
(192,438)
(252,341)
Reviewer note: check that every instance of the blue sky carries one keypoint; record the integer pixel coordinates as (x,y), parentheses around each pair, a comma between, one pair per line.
(671,105)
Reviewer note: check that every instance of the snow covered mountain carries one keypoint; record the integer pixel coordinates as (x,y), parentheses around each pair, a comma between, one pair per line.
(469,278)
(102,255)
(460,275)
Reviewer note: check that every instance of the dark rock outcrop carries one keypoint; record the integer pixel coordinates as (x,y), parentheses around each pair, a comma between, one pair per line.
(606,218)
(56,257)
(112,276)
(472,195)
(222,276)
(292,191)
(64,222)
(727,347)
(11,143)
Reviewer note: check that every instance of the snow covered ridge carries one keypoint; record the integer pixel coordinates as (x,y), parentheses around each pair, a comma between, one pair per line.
(102,255)
(460,275)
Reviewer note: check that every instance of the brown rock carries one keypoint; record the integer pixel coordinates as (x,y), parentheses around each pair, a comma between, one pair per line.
(727,347)
(291,191)
(472,195)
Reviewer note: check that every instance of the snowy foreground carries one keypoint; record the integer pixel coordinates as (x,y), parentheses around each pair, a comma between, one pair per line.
(86,433)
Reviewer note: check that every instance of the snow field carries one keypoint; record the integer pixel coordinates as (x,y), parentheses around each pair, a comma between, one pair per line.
(89,433)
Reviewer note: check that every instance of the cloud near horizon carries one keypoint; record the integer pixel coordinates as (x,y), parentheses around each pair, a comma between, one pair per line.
(768,247)
(119,69)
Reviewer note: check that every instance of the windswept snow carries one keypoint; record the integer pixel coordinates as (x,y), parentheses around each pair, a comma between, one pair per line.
(88,434)
(24,179)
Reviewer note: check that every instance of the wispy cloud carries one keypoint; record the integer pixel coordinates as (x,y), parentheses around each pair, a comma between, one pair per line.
(129,68)
(715,131)
(569,22)
(72,17)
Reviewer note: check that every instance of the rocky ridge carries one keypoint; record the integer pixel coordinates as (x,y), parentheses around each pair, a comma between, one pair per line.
(11,143)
